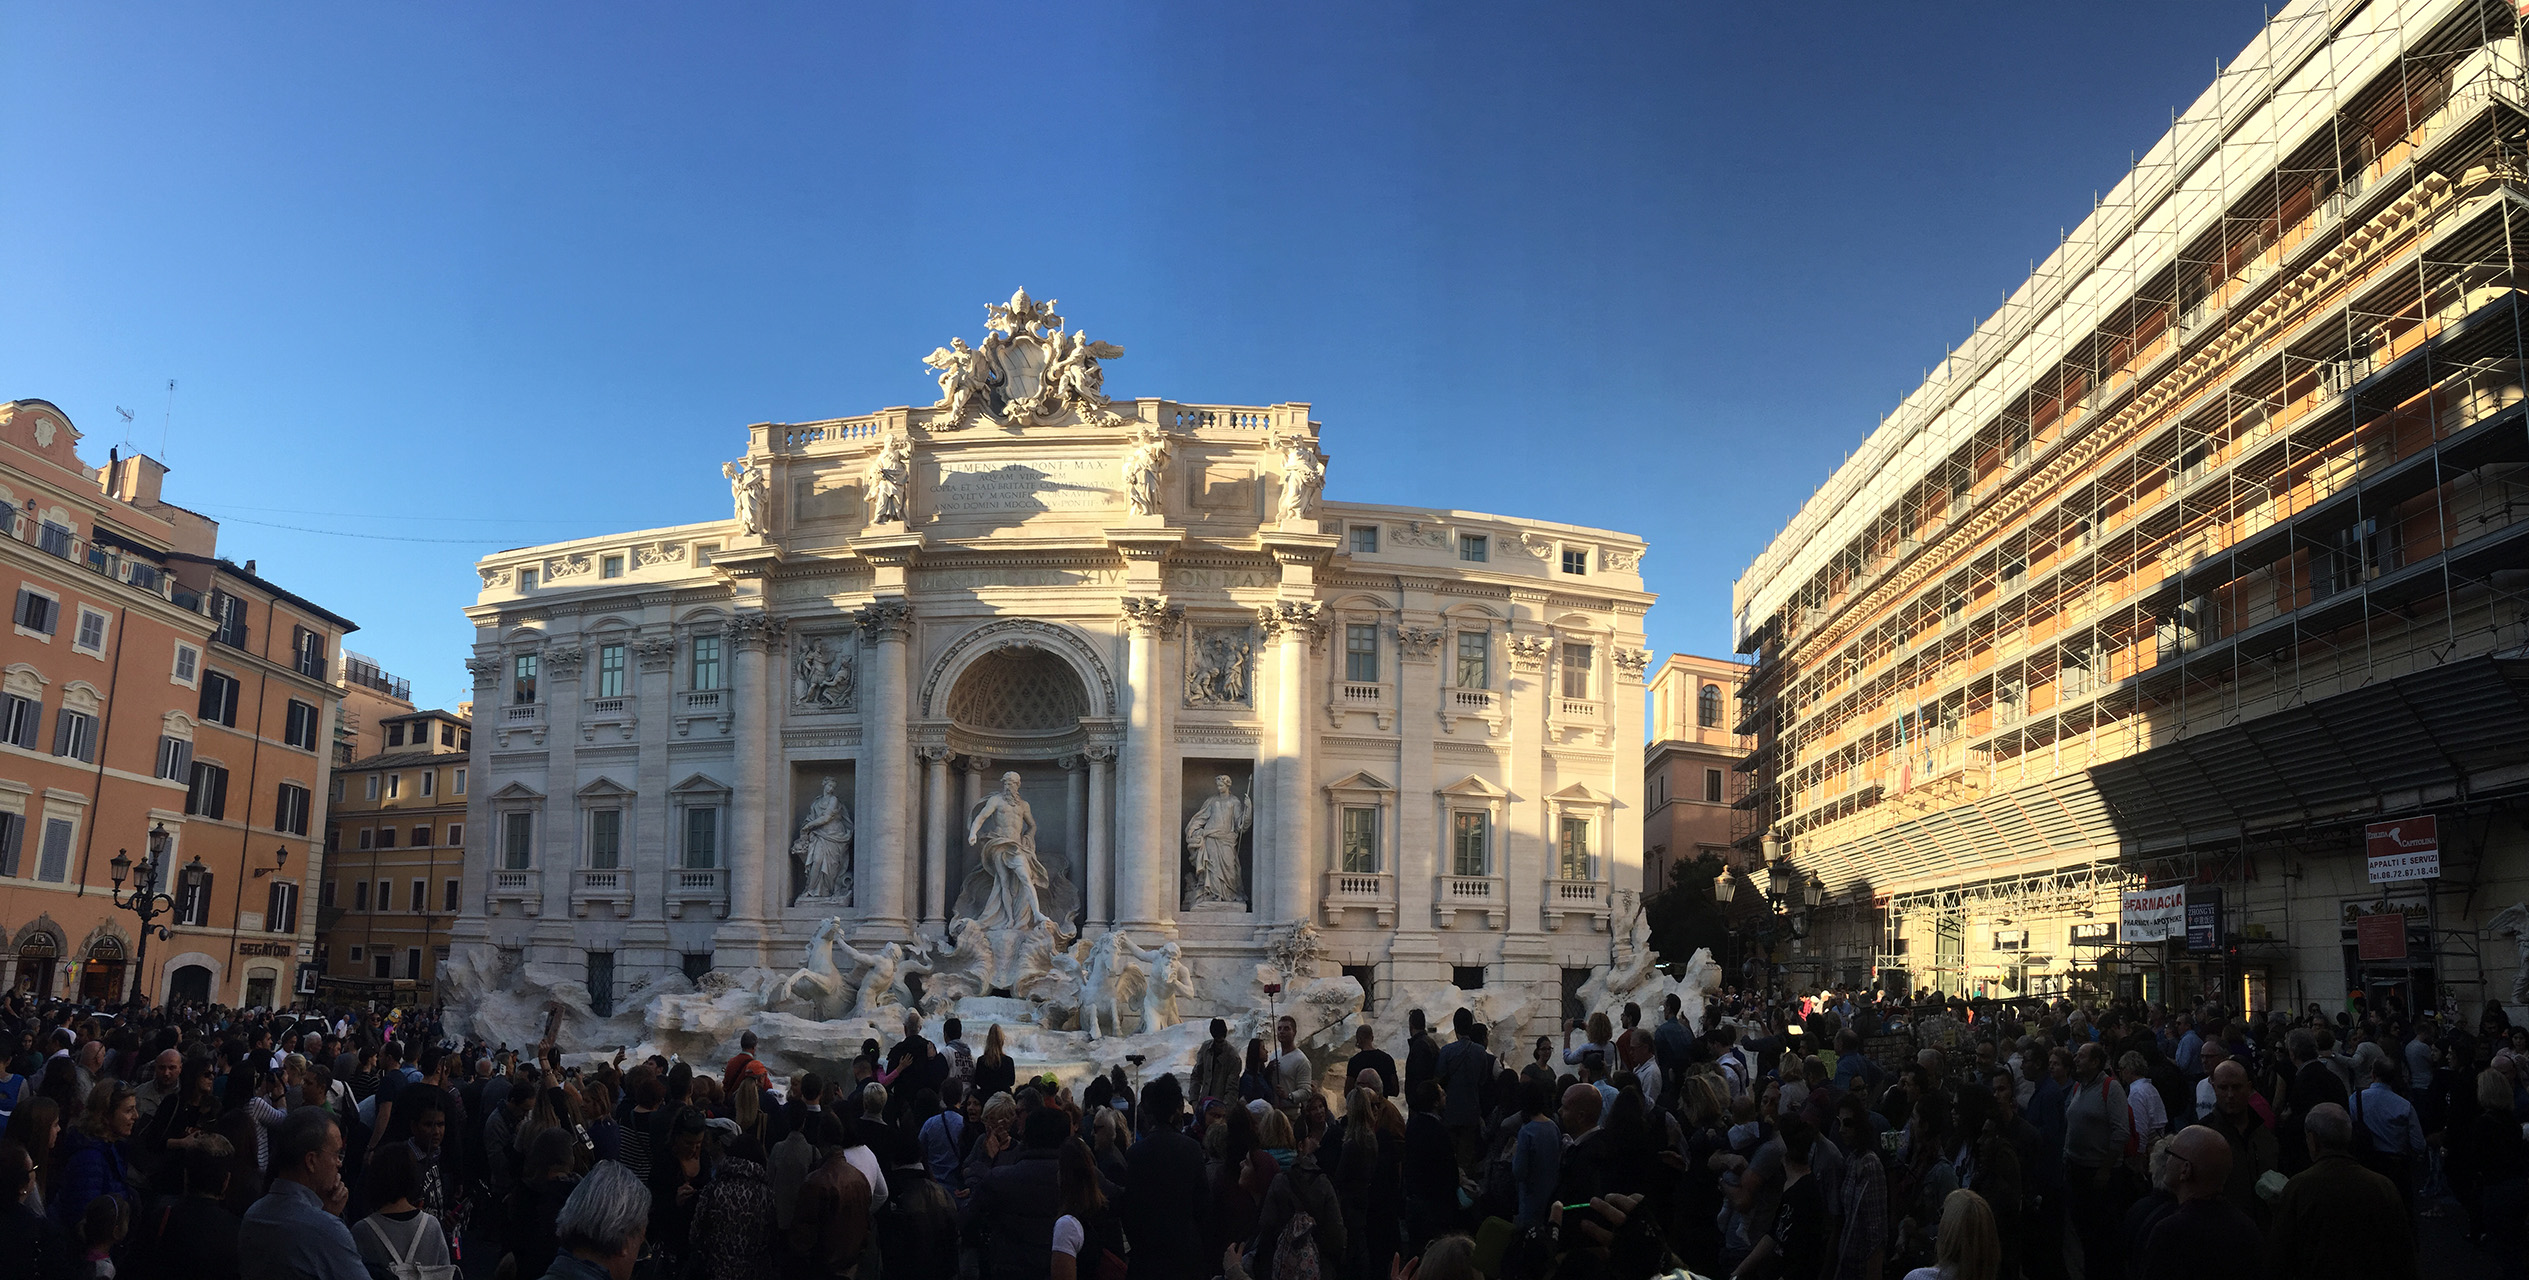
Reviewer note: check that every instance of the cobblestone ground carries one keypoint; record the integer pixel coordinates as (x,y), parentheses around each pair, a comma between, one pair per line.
(2443,1250)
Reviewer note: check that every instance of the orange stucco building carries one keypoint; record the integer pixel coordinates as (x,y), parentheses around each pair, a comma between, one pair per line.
(147,684)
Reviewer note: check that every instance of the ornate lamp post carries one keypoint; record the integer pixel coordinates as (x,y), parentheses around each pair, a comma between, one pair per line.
(145,900)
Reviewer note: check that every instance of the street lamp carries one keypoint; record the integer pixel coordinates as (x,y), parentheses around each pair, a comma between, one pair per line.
(145,900)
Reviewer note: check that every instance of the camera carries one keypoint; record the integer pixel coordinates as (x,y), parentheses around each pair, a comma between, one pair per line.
(1134,1058)
(1273,988)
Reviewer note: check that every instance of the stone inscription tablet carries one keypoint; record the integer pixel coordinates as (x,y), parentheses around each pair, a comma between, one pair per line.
(1009,485)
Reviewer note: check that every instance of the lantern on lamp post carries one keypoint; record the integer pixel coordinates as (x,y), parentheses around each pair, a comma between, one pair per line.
(146,900)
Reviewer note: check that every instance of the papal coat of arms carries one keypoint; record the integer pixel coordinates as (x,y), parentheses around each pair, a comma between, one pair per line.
(1028,372)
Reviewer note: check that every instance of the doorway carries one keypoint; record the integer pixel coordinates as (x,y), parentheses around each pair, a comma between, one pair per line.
(189,985)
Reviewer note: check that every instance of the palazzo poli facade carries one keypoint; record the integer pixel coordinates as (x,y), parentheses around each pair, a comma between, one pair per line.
(1225,705)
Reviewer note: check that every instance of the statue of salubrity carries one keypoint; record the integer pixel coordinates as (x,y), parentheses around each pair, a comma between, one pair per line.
(1213,876)
(823,850)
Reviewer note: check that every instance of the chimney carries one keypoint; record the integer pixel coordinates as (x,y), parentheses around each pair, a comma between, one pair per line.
(250,566)
(134,479)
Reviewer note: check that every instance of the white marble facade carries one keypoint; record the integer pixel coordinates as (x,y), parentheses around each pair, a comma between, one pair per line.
(1430,721)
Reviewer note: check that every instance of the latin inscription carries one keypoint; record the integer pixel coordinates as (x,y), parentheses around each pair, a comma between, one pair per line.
(1026,484)
(972,579)
(1182,579)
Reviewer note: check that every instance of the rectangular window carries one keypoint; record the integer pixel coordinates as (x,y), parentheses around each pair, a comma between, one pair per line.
(1712,786)
(381,965)
(605,838)
(1361,840)
(459,788)
(1365,539)
(12,837)
(429,782)
(219,699)
(55,539)
(1574,853)
(601,983)
(1576,560)
(175,759)
(386,895)
(75,735)
(35,611)
(230,613)
(19,718)
(695,964)
(368,837)
(281,908)
(1361,652)
(421,837)
(359,897)
(188,664)
(1576,659)
(610,671)
(526,579)
(1469,843)
(55,863)
(448,896)
(702,837)
(307,652)
(518,840)
(456,835)
(394,786)
(610,567)
(371,781)
(325,893)
(386,837)
(290,808)
(1467,977)
(703,552)
(299,728)
(706,663)
(522,684)
(207,796)
(412,963)
(1473,666)
(419,898)
(1474,548)
(194,908)
(336,789)
(395,735)
(91,635)
(447,735)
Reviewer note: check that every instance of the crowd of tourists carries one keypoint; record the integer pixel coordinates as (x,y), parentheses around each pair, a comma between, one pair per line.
(1851,1135)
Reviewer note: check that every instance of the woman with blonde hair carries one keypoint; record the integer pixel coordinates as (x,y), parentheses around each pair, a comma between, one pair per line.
(1970,1248)
(995,1073)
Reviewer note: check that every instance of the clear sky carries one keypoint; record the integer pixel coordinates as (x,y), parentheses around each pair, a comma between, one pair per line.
(440,279)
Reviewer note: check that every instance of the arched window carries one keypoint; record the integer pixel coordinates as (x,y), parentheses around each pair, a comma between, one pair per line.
(1708,707)
(101,978)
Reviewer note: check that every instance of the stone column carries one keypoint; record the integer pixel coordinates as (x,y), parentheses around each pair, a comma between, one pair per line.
(1146,883)
(759,858)
(935,833)
(1302,630)
(878,880)
(1075,825)
(1101,900)
(977,769)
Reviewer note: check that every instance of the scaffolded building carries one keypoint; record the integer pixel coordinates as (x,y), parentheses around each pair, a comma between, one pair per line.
(2204,551)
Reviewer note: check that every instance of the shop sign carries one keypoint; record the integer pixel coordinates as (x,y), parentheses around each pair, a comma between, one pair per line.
(2204,921)
(2381,936)
(2100,934)
(2154,915)
(2404,849)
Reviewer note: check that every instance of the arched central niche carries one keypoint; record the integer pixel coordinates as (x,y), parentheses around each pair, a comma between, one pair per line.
(1016,707)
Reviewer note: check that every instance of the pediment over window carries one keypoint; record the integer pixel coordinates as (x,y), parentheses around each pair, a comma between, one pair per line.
(79,695)
(700,784)
(604,787)
(1358,781)
(517,791)
(1580,793)
(176,724)
(22,680)
(1473,787)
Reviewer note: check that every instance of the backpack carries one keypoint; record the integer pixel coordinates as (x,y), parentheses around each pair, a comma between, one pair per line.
(399,1261)
(1294,1251)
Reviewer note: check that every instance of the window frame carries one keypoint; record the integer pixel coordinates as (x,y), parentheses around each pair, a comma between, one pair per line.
(610,670)
(1347,844)
(1361,661)
(695,664)
(1459,815)
(1576,561)
(1483,644)
(186,655)
(291,718)
(1363,539)
(79,631)
(1475,548)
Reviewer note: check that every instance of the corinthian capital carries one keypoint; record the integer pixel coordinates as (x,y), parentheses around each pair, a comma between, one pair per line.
(885,620)
(1301,619)
(657,653)
(562,661)
(757,630)
(487,671)
(1153,615)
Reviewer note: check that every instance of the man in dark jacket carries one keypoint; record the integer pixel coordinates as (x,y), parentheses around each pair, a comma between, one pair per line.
(2251,1142)
(1019,1201)
(2337,1218)
(2312,1085)
(1422,1057)
(1465,1068)
(1164,1191)
(193,1235)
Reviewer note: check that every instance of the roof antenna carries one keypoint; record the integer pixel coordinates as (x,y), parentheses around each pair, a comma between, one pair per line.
(168,421)
(127,423)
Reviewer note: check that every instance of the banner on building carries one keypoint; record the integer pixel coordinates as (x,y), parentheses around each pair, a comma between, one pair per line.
(2204,920)
(2155,915)
(2404,849)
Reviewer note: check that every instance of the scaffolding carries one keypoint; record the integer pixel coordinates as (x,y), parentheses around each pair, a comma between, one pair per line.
(2251,437)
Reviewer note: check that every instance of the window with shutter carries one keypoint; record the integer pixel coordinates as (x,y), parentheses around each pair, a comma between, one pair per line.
(175,759)
(194,908)
(290,809)
(55,864)
(12,837)
(420,899)
(19,718)
(282,909)
(36,611)
(208,794)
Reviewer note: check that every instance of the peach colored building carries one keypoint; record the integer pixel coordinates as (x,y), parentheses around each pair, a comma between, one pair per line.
(1689,777)
(146,684)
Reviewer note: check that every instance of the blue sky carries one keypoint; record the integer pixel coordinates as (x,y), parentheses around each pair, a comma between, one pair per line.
(460,277)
